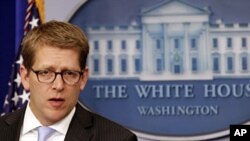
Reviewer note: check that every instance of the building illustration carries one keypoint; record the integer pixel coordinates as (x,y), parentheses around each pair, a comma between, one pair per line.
(173,40)
(150,57)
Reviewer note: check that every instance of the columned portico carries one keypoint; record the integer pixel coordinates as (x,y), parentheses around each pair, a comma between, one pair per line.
(180,31)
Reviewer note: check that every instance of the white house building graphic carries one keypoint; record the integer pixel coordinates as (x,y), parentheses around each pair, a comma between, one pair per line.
(168,69)
(173,40)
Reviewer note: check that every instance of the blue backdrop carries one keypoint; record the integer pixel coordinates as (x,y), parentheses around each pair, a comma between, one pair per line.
(7,52)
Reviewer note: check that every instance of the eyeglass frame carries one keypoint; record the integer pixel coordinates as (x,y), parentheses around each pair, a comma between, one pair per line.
(55,75)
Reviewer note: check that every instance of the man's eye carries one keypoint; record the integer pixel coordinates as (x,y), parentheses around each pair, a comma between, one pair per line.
(44,72)
(69,73)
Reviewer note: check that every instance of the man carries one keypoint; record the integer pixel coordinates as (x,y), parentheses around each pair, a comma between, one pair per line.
(54,71)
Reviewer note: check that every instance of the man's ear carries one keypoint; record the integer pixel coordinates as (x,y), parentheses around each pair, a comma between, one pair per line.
(84,79)
(25,77)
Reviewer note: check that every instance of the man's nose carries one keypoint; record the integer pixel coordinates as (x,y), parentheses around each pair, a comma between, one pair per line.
(58,82)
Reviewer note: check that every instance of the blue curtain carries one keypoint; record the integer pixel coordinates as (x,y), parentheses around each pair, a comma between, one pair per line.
(7,52)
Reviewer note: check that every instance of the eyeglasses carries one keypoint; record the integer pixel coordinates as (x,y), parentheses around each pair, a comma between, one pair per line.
(46,76)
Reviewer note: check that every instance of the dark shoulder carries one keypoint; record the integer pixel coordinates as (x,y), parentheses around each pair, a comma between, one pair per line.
(106,128)
(13,117)
(108,124)
(10,125)
(112,128)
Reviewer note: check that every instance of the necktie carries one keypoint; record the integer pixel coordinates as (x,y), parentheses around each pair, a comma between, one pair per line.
(44,132)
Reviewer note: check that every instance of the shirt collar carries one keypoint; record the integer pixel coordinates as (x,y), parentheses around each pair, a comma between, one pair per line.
(63,125)
(30,122)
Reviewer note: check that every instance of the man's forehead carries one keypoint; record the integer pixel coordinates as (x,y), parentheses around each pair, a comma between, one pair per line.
(52,57)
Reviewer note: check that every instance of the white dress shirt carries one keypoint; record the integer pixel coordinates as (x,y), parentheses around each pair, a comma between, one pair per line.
(29,129)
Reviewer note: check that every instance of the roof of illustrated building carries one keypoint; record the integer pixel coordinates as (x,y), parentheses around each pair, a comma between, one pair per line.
(123,12)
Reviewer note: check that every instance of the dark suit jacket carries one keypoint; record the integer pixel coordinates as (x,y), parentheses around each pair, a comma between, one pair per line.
(85,126)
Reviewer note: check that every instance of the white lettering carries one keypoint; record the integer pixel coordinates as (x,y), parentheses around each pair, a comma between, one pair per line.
(113,91)
(239,132)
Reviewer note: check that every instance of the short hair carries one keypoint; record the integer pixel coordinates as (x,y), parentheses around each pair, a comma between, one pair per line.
(56,34)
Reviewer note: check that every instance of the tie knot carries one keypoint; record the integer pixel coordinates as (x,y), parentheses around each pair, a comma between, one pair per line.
(44,132)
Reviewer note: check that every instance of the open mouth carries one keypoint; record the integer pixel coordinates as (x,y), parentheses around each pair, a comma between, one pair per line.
(56,99)
(56,102)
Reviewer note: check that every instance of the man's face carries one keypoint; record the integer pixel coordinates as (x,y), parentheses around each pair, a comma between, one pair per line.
(51,102)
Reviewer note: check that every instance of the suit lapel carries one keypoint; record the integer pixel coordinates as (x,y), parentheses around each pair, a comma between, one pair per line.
(14,122)
(79,126)
(79,129)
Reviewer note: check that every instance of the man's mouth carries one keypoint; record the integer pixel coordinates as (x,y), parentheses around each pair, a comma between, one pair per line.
(56,102)
(56,99)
